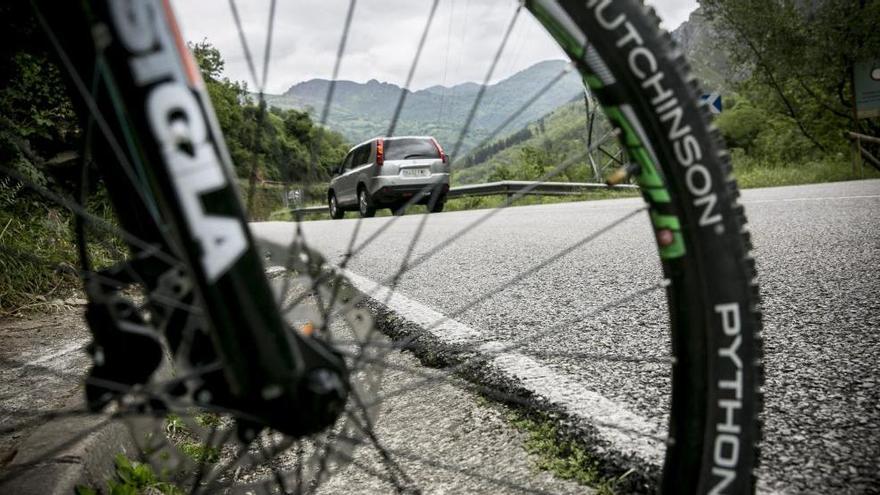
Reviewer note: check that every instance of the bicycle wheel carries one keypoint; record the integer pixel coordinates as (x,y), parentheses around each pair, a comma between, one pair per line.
(276,407)
(685,175)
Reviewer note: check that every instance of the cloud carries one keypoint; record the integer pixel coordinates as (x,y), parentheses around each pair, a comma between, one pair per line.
(462,39)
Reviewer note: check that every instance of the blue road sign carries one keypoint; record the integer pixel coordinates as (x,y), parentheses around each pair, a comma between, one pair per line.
(714,102)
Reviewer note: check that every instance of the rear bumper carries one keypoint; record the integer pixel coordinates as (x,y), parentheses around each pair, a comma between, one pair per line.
(397,193)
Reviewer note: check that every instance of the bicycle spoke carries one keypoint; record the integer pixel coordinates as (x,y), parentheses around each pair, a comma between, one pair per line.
(267,50)
(473,111)
(465,128)
(244,44)
(267,458)
(412,70)
(245,453)
(395,472)
(203,464)
(451,239)
(325,112)
(513,116)
(406,454)
(12,472)
(544,178)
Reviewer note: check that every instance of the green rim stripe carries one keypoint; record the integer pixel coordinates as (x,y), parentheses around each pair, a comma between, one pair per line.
(569,44)
(669,222)
(649,179)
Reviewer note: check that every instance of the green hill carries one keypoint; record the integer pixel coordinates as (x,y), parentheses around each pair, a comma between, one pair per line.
(361,111)
(540,146)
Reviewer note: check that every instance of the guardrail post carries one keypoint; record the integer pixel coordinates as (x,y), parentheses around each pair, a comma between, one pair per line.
(860,159)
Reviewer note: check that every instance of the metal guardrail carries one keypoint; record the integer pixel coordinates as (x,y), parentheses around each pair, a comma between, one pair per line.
(311,209)
(860,153)
(509,188)
(529,188)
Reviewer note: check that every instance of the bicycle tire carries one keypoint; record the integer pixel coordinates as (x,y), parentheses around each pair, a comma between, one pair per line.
(714,429)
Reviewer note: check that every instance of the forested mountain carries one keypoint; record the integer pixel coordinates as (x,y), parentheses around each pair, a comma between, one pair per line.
(784,72)
(363,110)
(699,40)
(539,147)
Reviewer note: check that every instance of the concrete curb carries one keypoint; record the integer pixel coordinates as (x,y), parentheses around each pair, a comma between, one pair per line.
(54,460)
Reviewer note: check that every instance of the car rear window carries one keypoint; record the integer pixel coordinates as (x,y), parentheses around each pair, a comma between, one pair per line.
(410,148)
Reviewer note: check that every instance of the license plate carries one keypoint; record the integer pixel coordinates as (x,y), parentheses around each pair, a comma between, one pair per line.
(415,172)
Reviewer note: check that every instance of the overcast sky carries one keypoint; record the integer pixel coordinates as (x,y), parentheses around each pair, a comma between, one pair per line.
(384,36)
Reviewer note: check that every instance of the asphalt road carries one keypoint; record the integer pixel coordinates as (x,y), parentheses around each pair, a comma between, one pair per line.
(817,249)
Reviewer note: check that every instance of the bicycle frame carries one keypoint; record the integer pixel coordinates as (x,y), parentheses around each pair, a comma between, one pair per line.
(178,156)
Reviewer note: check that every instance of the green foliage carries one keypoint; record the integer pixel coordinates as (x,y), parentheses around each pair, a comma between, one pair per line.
(38,255)
(773,137)
(277,144)
(483,152)
(199,452)
(555,138)
(741,125)
(174,425)
(36,246)
(486,202)
(560,455)
(36,124)
(209,420)
(798,57)
(39,133)
(134,478)
(755,172)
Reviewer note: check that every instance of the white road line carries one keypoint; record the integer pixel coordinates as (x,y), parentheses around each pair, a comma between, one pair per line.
(630,432)
(626,203)
(626,431)
(824,198)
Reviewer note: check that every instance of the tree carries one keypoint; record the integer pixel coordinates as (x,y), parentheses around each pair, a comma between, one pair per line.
(800,54)
(266,143)
(209,59)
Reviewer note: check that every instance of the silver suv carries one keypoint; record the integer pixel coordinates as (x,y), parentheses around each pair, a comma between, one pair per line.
(387,172)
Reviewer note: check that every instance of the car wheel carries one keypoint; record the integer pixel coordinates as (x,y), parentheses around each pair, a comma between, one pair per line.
(365,206)
(437,206)
(335,211)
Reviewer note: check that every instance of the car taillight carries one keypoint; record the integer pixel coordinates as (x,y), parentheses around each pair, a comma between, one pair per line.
(380,152)
(443,156)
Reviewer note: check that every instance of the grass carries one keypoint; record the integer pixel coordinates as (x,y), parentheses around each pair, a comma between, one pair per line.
(38,255)
(751,173)
(133,478)
(484,202)
(199,452)
(180,435)
(36,259)
(559,455)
